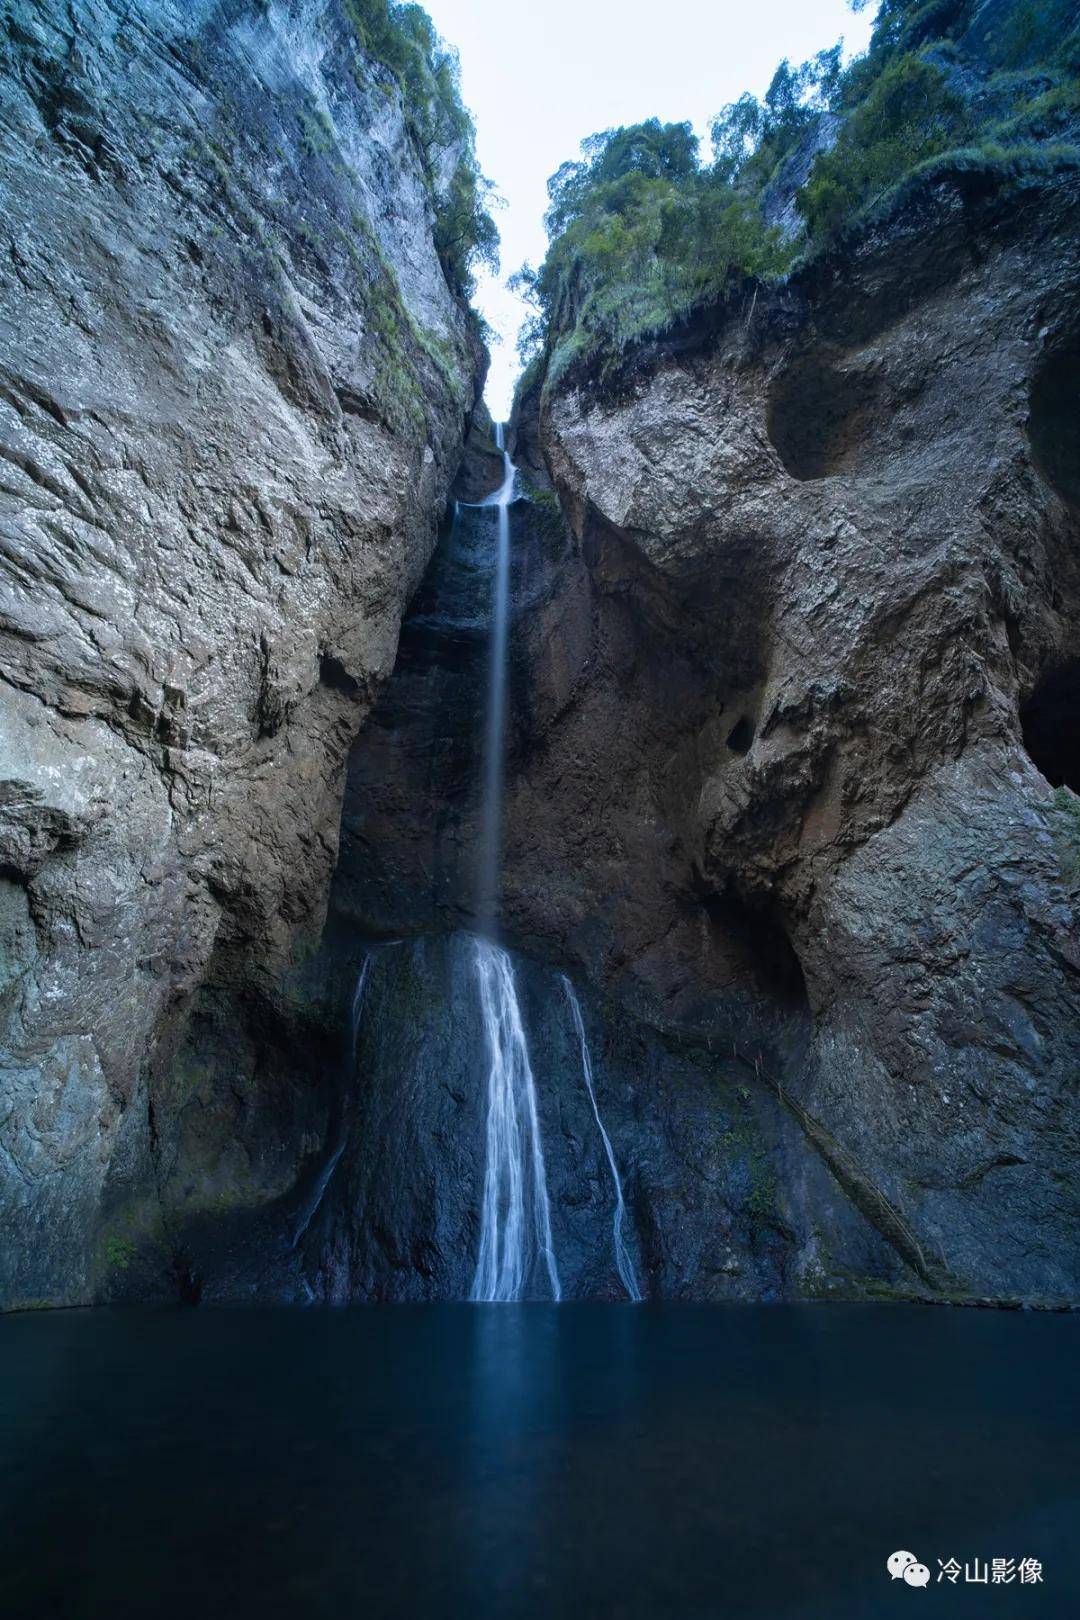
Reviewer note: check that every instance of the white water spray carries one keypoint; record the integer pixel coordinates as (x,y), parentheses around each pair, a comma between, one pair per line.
(515,1222)
(622,1257)
(358,1004)
(515,1217)
(494,739)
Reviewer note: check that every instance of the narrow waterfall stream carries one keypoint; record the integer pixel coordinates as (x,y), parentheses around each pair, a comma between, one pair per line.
(515,1225)
(358,1002)
(515,1220)
(623,1262)
(495,722)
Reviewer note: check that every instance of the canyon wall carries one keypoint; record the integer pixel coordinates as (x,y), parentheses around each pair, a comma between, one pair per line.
(855,504)
(234,386)
(793,758)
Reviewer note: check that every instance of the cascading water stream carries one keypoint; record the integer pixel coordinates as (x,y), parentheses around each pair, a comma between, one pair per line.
(623,1262)
(358,1003)
(515,1221)
(515,1217)
(494,736)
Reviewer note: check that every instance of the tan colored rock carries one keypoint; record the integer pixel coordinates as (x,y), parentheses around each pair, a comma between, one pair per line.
(833,549)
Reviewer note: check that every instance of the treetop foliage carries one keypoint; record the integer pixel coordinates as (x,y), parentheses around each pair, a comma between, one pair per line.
(656,151)
(643,231)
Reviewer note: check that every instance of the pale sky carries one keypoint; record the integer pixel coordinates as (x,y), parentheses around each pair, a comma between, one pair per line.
(540,75)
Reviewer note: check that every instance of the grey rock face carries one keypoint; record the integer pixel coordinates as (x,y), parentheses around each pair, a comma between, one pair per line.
(778,199)
(233,391)
(793,752)
(855,508)
(481,470)
(387,1205)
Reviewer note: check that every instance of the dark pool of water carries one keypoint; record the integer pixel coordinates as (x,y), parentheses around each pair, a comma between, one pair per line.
(534,1461)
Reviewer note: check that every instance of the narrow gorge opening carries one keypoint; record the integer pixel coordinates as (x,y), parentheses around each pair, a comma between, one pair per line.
(479,1088)
(547,1182)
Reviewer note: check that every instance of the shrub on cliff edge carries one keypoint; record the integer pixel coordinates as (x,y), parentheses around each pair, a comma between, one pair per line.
(403,38)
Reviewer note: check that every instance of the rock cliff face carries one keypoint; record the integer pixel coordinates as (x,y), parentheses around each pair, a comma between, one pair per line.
(847,517)
(792,755)
(234,386)
(792,759)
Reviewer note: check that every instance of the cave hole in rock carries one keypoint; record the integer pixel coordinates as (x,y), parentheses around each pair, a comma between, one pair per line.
(332,673)
(1050,720)
(741,736)
(754,935)
(817,417)
(1054,419)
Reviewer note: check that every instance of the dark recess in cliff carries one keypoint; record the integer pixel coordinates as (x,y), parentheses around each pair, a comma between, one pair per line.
(1052,727)
(1054,425)
(755,936)
(817,416)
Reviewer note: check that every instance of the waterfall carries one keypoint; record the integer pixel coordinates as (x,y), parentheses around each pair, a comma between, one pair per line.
(358,1003)
(515,1217)
(515,1222)
(494,738)
(622,1257)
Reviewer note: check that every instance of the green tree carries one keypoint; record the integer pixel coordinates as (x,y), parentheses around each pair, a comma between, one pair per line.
(657,151)
(641,235)
(908,116)
(404,39)
(751,138)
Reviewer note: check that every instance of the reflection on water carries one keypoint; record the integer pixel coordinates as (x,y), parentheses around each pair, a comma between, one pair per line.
(533,1460)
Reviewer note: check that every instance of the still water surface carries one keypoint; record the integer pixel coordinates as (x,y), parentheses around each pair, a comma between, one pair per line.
(500,1461)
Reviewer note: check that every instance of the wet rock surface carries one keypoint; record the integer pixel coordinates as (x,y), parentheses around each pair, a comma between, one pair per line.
(387,1205)
(233,390)
(791,777)
(790,697)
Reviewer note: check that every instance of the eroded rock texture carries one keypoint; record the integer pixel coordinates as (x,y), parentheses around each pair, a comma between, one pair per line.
(792,756)
(854,505)
(233,391)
